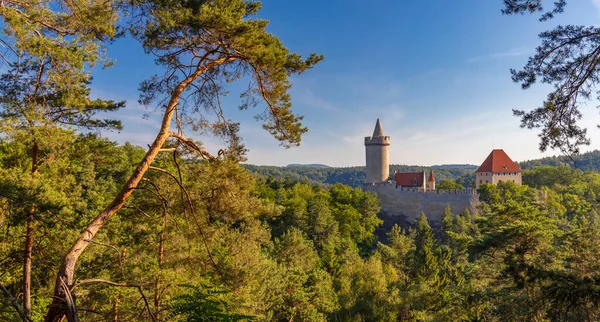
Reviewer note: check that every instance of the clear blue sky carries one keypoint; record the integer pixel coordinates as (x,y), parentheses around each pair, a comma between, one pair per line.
(436,72)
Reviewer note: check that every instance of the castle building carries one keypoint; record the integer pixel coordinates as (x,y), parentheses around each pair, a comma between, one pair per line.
(431,181)
(497,167)
(410,180)
(378,156)
(415,180)
(378,164)
(404,196)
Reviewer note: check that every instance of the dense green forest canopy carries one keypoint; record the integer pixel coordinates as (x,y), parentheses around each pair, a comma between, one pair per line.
(209,239)
(585,161)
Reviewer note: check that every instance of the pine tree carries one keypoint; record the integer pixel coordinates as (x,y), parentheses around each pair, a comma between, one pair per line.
(566,58)
(447,223)
(202,46)
(425,259)
(49,44)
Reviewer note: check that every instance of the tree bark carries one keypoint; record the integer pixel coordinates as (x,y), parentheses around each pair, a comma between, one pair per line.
(27,255)
(57,309)
(14,304)
(161,253)
(115,309)
(27,265)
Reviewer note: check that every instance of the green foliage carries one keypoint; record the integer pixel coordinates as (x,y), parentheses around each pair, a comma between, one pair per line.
(280,250)
(49,68)
(77,175)
(533,247)
(585,161)
(211,44)
(45,90)
(565,59)
(203,303)
(326,216)
(278,247)
(425,260)
(448,185)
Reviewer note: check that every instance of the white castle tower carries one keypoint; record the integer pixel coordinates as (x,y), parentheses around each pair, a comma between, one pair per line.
(378,157)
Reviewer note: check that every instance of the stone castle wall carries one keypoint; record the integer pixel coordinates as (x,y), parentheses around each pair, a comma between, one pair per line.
(404,206)
(495,177)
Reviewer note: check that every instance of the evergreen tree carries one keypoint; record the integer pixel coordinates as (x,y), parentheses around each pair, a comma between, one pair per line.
(202,46)
(566,59)
(46,83)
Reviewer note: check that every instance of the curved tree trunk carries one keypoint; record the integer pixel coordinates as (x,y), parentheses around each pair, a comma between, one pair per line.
(57,309)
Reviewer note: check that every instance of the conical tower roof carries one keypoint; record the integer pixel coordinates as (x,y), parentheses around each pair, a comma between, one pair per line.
(378,131)
(431,177)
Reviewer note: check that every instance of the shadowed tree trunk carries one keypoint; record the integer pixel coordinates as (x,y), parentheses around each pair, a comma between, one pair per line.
(115,309)
(27,256)
(161,254)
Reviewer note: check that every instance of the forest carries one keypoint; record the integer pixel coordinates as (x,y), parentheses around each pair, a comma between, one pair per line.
(208,241)
(95,230)
(584,161)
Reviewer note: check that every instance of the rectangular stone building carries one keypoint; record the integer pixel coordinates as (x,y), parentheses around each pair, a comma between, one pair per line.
(497,167)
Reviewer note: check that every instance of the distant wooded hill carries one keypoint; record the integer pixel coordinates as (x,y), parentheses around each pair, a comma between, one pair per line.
(456,166)
(309,165)
(585,161)
(355,176)
(352,176)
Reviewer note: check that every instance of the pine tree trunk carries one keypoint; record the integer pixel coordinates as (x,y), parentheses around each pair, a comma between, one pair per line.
(27,256)
(27,265)
(57,309)
(115,309)
(66,271)
(161,254)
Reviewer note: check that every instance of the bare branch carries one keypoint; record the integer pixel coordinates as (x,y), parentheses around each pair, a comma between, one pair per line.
(14,303)
(70,302)
(190,144)
(138,210)
(193,211)
(138,287)
(116,249)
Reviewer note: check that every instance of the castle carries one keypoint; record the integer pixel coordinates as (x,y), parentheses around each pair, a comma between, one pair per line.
(378,156)
(378,163)
(405,195)
(497,167)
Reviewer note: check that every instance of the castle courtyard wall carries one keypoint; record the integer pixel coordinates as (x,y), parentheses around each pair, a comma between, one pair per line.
(404,206)
(495,177)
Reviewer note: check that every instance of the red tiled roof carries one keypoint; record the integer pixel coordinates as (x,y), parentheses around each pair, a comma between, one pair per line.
(406,179)
(431,177)
(498,161)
